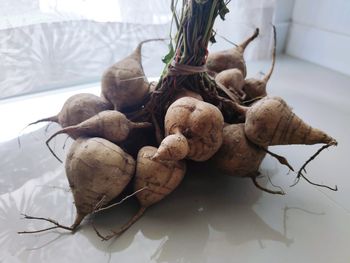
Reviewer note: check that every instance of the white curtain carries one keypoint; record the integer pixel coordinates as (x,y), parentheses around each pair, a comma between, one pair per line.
(50,44)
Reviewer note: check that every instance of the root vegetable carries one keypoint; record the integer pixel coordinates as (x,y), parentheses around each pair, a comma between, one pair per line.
(255,88)
(246,89)
(237,156)
(78,108)
(97,171)
(111,125)
(270,121)
(173,147)
(231,58)
(199,122)
(153,181)
(124,84)
(233,80)
(160,178)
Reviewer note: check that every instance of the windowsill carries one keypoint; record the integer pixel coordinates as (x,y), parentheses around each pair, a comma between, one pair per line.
(209,218)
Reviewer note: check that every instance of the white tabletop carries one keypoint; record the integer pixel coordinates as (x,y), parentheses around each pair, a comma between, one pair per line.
(210,217)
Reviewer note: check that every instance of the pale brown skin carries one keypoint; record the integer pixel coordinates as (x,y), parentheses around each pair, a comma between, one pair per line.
(200,122)
(237,156)
(97,171)
(153,181)
(111,125)
(233,80)
(124,84)
(174,147)
(160,177)
(270,121)
(254,88)
(231,58)
(78,108)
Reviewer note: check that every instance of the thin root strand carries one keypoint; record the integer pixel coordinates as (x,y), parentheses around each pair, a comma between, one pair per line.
(57,225)
(335,188)
(65,142)
(52,151)
(98,207)
(136,217)
(266,189)
(37,231)
(280,158)
(303,169)
(98,233)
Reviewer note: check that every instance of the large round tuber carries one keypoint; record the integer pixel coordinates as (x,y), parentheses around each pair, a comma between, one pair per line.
(237,156)
(97,172)
(199,122)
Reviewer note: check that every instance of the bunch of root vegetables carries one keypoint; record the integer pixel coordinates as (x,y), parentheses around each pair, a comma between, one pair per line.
(203,109)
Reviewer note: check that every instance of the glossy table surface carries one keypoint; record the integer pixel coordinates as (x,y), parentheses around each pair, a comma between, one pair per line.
(210,217)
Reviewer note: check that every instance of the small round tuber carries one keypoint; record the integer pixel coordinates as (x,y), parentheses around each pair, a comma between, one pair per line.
(173,147)
(78,108)
(231,58)
(233,80)
(110,125)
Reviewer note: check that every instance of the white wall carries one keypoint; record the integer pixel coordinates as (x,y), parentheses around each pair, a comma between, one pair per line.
(246,15)
(282,21)
(241,21)
(320,33)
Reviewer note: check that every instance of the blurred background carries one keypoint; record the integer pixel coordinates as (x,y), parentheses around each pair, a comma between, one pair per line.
(52,44)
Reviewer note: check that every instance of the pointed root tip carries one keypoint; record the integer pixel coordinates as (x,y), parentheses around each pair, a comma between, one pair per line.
(333,142)
(25,216)
(286,163)
(294,183)
(257,31)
